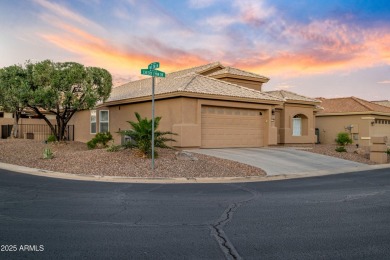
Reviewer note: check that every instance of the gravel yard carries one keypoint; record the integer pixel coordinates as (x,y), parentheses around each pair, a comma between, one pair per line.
(74,157)
(329,149)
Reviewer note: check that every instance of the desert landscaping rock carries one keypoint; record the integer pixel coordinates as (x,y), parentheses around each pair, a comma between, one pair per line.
(183,155)
(74,157)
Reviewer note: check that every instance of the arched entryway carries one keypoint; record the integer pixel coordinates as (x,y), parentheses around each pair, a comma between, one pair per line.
(300,125)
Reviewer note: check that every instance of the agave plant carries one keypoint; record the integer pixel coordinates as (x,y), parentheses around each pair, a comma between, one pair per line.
(141,135)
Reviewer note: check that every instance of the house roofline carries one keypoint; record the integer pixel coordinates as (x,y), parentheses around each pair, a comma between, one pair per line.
(190,95)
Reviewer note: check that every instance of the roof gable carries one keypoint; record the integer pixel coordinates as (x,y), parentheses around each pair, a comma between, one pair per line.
(190,83)
(288,95)
(237,72)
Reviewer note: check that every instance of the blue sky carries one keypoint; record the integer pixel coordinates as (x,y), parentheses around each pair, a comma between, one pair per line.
(315,48)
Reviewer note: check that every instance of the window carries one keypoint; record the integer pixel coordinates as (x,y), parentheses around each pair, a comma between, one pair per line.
(103,121)
(93,121)
(297,126)
(1,114)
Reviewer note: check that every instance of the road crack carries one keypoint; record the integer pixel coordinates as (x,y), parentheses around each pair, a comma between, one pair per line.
(217,228)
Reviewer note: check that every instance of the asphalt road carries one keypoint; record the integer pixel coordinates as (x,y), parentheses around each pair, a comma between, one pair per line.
(343,216)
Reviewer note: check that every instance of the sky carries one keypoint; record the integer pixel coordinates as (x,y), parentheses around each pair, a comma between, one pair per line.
(321,48)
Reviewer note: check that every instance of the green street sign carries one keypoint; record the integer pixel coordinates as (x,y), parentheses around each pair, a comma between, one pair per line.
(153,73)
(154,65)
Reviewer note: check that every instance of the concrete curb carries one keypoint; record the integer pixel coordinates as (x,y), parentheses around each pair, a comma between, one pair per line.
(123,179)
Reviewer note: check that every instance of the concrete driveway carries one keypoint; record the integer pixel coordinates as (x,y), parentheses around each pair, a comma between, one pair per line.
(285,161)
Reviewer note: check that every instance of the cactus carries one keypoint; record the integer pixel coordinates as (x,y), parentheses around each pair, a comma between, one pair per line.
(47,153)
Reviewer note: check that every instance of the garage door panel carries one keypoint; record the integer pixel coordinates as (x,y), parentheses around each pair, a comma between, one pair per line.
(231,127)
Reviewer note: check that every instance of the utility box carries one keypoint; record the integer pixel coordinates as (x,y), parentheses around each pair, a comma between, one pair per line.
(378,149)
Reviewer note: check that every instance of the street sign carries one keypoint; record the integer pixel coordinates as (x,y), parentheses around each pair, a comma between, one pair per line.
(153,73)
(154,65)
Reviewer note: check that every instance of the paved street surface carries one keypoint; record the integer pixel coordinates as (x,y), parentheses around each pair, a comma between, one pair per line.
(284,161)
(343,216)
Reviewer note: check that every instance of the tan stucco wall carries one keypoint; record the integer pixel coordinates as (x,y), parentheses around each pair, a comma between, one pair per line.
(82,127)
(330,126)
(381,128)
(284,118)
(180,115)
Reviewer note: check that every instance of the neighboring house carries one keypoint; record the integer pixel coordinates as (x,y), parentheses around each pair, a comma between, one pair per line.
(210,106)
(361,118)
(385,103)
(30,126)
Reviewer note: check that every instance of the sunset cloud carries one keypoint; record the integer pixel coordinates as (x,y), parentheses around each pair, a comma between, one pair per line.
(280,39)
(384,82)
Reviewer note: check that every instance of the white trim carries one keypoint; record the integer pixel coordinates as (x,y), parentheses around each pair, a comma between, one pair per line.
(90,122)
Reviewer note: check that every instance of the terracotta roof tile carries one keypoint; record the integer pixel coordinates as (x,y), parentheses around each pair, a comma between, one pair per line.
(288,95)
(191,82)
(235,71)
(350,104)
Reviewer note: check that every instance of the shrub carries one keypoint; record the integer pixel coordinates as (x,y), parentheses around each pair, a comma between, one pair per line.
(343,139)
(141,135)
(100,139)
(114,148)
(388,151)
(341,149)
(47,153)
(51,139)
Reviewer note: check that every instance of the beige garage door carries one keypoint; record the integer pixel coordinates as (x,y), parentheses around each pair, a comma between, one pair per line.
(231,127)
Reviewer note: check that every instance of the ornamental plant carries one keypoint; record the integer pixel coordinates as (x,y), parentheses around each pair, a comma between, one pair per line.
(100,139)
(141,135)
(342,140)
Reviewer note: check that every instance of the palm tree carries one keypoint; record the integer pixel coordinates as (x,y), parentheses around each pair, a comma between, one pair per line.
(141,135)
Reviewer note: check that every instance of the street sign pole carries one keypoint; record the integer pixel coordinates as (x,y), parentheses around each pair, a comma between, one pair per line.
(153,123)
(151,71)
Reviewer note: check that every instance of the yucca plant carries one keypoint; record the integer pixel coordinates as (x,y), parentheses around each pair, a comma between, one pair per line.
(141,135)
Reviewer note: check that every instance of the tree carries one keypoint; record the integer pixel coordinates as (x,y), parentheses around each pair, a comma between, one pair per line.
(141,135)
(63,89)
(14,89)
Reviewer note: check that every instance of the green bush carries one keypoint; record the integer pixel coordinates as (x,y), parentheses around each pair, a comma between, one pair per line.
(343,139)
(141,135)
(114,148)
(388,151)
(51,139)
(100,139)
(341,149)
(47,153)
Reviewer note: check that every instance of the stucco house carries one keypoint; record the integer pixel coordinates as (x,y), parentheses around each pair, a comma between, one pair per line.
(362,119)
(210,106)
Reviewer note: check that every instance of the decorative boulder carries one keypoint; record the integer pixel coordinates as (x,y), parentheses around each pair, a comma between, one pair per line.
(185,156)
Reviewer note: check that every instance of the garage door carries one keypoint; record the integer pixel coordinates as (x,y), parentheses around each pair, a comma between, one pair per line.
(231,127)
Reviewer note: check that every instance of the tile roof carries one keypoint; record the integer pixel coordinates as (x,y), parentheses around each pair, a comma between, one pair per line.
(191,83)
(382,102)
(350,104)
(288,95)
(234,71)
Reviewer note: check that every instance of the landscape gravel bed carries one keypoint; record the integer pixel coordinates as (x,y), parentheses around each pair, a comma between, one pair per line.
(351,154)
(74,157)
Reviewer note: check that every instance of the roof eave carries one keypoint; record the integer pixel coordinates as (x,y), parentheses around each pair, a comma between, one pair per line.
(190,95)
(234,76)
(354,113)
